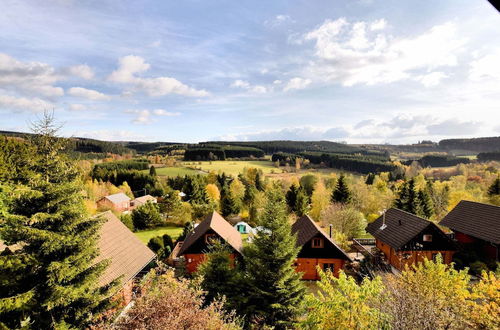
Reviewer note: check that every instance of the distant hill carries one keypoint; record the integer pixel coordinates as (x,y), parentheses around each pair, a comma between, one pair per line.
(484,144)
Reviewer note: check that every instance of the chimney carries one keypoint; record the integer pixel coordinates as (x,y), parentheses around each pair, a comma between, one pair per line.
(400,222)
(331,230)
(383,220)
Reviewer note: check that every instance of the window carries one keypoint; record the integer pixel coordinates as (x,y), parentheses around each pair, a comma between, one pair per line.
(210,238)
(427,238)
(328,266)
(317,242)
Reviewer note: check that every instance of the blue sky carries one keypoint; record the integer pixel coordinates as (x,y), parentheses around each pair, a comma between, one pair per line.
(362,71)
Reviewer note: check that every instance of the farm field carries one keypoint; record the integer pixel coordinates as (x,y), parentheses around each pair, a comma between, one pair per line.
(173,171)
(146,235)
(233,167)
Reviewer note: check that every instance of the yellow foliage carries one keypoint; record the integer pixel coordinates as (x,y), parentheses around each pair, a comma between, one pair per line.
(319,200)
(213,192)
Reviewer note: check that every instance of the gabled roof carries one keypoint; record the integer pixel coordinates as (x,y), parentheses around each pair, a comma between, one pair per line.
(218,224)
(117,198)
(475,219)
(400,227)
(128,255)
(144,199)
(306,229)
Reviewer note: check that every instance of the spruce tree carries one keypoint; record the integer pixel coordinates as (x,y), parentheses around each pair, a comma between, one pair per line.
(427,207)
(494,189)
(152,171)
(291,196)
(57,243)
(341,193)
(228,204)
(275,291)
(301,203)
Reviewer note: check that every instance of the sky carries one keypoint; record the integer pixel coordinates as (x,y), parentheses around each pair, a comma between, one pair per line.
(355,71)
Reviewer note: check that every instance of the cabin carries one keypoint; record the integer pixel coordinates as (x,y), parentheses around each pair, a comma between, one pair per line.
(118,202)
(477,226)
(243,228)
(139,201)
(213,228)
(317,249)
(406,239)
(127,254)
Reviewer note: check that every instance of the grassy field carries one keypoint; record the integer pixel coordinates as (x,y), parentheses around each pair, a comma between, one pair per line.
(173,171)
(233,167)
(146,235)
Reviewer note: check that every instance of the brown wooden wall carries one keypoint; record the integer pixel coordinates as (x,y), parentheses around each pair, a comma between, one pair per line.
(307,266)
(397,260)
(193,260)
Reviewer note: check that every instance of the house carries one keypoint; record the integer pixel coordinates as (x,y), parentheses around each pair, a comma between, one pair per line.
(243,228)
(317,249)
(118,202)
(128,255)
(197,242)
(476,225)
(139,201)
(406,239)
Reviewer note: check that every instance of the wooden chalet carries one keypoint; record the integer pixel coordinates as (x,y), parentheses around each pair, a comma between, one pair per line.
(197,242)
(317,249)
(127,254)
(476,225)
(406,239)
(118,202)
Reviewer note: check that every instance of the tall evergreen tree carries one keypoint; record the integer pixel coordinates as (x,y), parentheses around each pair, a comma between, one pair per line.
(228,204)
(275,292)
(301,203)
(57,243)
(410,200)
(188,227)
(291,196)
(427,207)
(341,193)
(258,182)
(494,189)
(152,171)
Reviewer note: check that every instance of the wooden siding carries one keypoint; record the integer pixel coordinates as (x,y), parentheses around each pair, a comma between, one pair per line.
(307,266)
(193,261)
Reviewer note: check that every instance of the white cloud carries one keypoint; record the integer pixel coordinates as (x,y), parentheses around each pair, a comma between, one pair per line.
(88,94)
(352,54)
(278,20)
(305,133)
(486,67)
(22,103)
(297,83)
(30,78)
(77,107)
(131,65)
(431,79)
(83,71)
(259,89)
(453,127)
(378,25)
(144,116)
(110,135)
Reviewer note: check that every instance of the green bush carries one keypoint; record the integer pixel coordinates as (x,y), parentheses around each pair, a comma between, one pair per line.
(127,221)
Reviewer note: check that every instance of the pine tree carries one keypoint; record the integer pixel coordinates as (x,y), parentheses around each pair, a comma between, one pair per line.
(301,203)
(341,193)
(370,178)
(291,196)
(152,171)
(494,189)
(57,240)
(228,204)
(275,292)
(427,207)
(258,182)
(188,228)
(410,200)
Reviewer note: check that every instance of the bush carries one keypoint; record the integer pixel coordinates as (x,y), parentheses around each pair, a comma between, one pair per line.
(146,216)
(477,267)
(127,221)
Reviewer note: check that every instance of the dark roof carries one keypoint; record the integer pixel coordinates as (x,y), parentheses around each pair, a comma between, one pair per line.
(306,229)
(475,219)
(128,255)
(400,227)
(218,224)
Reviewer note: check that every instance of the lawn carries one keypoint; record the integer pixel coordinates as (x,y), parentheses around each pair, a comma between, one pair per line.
(233,167)
(173,171)
(146,235)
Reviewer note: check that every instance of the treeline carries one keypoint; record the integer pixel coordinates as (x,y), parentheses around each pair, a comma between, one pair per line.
(488,156)
(439,161)
(136,164)
(485,144)
(218,152)
(145,147)
(81,145)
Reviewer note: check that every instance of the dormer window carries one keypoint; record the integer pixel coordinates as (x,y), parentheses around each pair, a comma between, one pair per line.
(427,238)
(210,238)
(317,243)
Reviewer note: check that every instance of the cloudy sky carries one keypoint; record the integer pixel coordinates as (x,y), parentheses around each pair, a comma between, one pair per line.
(359,71)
